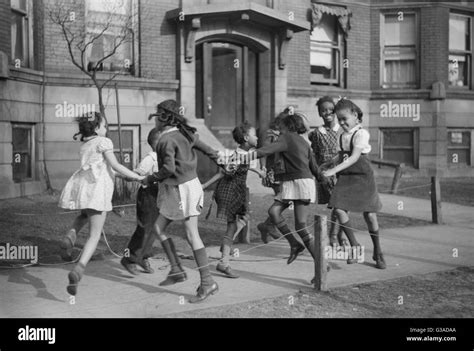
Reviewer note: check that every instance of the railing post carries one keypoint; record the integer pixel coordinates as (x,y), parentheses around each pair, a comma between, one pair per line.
(436,215)
(396,178)
(320,243)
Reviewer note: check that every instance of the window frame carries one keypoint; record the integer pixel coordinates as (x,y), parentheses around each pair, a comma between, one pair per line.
(135,141)
(415,133)
(417,49)
(470,147)
(467,53)
(28,40)
(32,150)
(134,44)
(340,52)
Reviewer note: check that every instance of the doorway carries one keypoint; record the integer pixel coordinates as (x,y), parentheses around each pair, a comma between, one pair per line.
(226,87)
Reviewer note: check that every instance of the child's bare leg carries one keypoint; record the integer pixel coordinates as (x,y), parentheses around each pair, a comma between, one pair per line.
(347,228)
(208,286)
(224,263)
(69,240)
(160,226)
(96,224)
(373,226)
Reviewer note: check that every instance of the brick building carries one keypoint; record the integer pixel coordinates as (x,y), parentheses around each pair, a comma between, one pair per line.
(408,64)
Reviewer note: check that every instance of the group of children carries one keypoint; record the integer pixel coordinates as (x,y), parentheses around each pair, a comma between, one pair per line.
(334,154)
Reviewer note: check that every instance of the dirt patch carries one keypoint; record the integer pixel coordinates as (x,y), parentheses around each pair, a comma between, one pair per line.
(446,294)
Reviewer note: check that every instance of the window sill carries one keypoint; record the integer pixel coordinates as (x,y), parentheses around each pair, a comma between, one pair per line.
(26,74)
(456,92)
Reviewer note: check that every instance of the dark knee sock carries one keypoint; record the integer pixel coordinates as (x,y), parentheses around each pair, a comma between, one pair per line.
(269,222)
(374,235)
(286,231)
(308,240)
(203,265)
(170,251)
(347,228)
(334,225)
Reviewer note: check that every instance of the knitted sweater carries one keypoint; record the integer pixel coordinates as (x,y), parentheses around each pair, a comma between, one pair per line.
(297,156)
(177,159)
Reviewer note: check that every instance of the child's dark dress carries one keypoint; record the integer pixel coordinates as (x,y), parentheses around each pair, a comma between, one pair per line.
(231,194)
(355,189)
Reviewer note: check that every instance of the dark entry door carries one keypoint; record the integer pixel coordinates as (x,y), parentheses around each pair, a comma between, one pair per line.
(226,92)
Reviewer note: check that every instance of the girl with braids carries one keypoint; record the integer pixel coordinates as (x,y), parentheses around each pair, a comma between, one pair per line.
(297,183)
(180,194)
(90,190)
(355,188)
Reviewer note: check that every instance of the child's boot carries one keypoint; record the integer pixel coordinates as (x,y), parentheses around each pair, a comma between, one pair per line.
(295,246)
(208,286)
(74,277)
(177,273)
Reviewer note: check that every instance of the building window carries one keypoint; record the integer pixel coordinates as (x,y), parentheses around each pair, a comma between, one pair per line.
(327,51)
(23,152)
(460,53)
(21,31)
(111,28)
(459,147)
(400,145)
(130,144)
(399,38)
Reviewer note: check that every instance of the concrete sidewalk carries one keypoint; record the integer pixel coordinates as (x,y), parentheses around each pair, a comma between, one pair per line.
(453,214)
(108,291)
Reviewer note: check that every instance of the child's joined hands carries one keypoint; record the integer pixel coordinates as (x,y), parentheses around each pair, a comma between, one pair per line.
(329,173)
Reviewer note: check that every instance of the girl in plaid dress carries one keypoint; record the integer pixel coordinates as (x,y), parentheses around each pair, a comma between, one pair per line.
(324,142)
(232,195)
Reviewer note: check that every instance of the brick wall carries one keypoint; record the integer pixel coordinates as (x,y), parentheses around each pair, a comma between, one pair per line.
(358,49)
(57,58)
(298,64)
(38,35)
(158,40)
(374,58)
(434,44)
(5,35)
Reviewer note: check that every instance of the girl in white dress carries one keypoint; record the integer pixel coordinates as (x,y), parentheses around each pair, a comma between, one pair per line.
(90,189)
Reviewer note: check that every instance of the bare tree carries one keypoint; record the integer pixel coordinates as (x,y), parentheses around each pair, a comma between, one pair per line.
(108,25)
(81,33)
